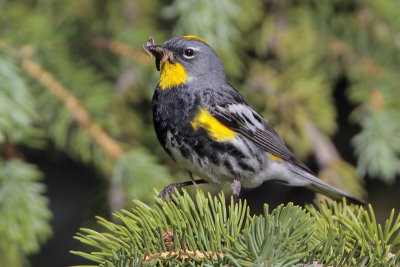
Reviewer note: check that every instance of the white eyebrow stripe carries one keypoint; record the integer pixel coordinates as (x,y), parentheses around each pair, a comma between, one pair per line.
(194,48)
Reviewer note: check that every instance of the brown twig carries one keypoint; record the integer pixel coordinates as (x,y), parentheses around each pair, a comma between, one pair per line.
(184,255)
(82,117)
(329,159)
(121,48)
(324,150)
(10,151)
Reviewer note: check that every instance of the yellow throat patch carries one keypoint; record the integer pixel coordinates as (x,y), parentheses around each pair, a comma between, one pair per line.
(172,74)
(215,129)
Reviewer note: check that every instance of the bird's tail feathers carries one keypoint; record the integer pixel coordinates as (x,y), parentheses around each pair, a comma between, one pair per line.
(335,193)
(317,185)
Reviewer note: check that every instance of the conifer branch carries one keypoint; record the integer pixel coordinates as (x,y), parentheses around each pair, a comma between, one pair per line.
(340,48)
(82,117)
(205,230)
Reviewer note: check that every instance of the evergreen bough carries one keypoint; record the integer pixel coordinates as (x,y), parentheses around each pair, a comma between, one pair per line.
(207,231)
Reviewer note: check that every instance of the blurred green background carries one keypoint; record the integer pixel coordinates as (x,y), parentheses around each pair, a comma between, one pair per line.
(76,133)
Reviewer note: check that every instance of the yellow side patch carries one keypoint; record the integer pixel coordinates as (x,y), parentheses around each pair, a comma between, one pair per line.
(194,37)
(215,129)
(275,158)
(172,74)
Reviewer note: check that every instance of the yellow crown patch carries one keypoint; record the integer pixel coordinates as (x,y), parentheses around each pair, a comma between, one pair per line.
(194,37)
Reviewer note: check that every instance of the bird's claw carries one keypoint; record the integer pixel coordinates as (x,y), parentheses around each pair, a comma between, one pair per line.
(167,191)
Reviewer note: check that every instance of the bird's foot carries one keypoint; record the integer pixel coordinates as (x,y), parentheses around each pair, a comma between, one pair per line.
(168,191)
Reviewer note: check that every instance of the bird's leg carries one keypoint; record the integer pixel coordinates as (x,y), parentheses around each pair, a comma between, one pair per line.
(236,186)
(170,188)
(193,180)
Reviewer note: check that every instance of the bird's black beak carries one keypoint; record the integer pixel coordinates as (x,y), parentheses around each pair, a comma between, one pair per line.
(161,53)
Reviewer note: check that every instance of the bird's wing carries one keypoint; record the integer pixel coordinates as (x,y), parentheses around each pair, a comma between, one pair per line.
(241,118)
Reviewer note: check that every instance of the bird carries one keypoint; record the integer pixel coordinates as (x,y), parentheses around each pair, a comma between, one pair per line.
(208,128)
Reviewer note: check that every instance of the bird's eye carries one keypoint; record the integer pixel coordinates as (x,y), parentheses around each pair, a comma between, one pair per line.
(188,53)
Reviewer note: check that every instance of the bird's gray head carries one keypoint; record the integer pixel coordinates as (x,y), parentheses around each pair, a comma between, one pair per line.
(185,59)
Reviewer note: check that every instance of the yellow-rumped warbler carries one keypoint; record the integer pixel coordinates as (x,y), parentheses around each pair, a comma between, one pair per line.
(208,128)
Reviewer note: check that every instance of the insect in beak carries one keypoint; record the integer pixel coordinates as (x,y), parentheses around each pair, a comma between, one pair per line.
(161,53)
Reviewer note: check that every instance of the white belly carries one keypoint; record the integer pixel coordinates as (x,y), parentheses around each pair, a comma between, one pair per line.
(263,169)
